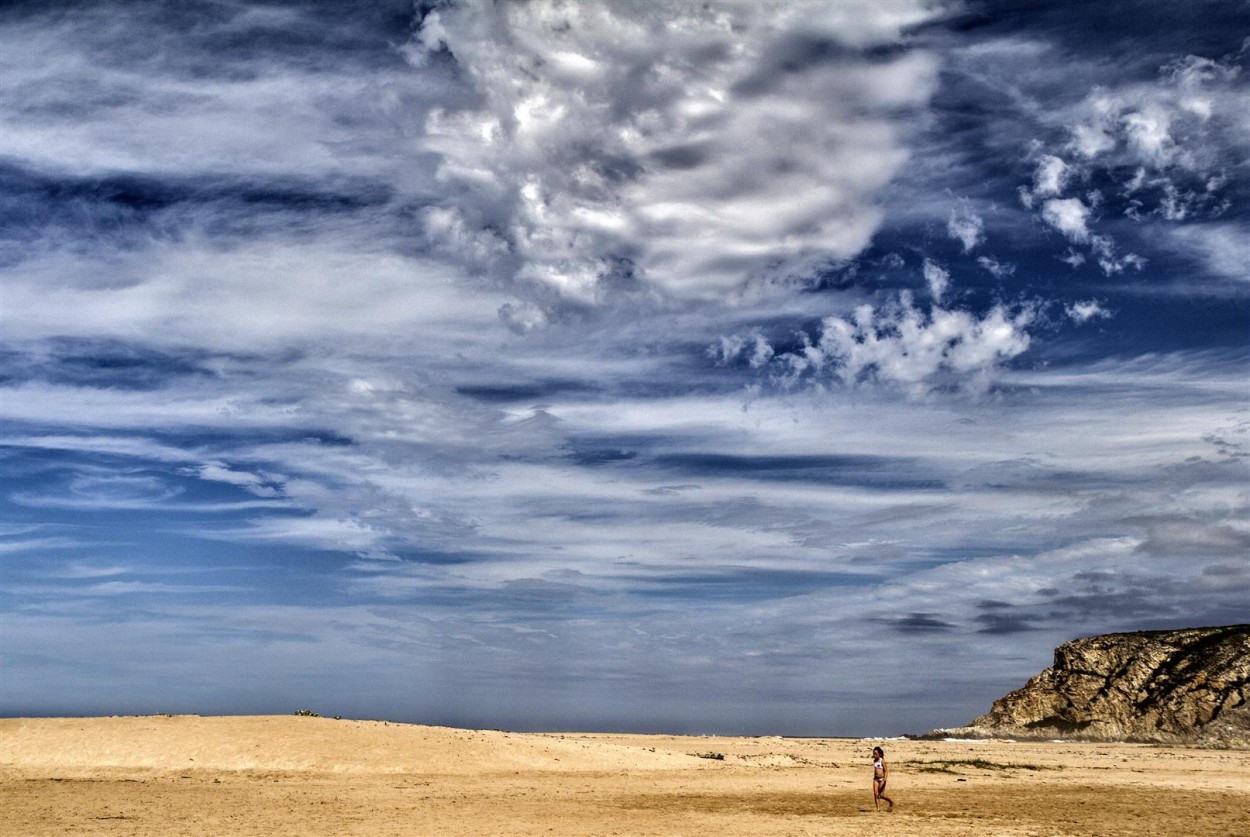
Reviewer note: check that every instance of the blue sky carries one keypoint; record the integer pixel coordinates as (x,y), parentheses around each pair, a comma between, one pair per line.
(743,368)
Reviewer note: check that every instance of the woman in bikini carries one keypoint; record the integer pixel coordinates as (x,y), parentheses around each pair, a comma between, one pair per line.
(880,773)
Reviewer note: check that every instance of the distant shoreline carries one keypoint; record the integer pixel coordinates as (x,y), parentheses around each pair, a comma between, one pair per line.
(951,735)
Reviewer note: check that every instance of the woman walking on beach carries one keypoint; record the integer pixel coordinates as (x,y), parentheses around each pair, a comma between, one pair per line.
(880,773)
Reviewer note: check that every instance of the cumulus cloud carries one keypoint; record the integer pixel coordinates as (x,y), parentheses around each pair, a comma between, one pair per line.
(1188,119)
(689,149)
(1068,215)
(1165,146)
(1072,216)
(899,344)
(754,347)
(1050,176)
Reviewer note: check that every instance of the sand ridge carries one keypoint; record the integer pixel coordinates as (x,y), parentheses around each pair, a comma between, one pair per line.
(297,775)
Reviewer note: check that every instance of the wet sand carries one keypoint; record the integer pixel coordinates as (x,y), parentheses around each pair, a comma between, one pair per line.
(196,775)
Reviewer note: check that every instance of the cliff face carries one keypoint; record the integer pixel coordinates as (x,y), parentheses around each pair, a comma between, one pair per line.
(1186,686)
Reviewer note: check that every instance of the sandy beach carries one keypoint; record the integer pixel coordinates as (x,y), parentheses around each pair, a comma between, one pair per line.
(300,775)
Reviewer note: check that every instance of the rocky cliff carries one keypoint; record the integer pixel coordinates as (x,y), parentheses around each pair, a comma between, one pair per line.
(1189,686)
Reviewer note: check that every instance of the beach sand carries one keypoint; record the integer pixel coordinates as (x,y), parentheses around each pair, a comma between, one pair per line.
(191,775)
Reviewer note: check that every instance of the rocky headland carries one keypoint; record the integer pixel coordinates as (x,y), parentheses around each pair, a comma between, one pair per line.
(1189,686)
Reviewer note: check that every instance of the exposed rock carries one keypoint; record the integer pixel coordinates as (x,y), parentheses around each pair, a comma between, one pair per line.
(1184,687)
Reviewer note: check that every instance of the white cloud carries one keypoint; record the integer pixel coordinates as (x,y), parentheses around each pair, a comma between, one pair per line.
(1224,248)
(1149,137)
(900,344)
(522,317)
(1086,310)
(123,446)
(260,485)
(966,227)
(1072,258)
(754,347)
(268,293)
(937,277)
(1068,215)
(1091,139)
(1189,119)
(39,545)
(1050,177)
(1000,270)
(321,531)
(1103,248)
(694,149)
(1177,136)
(159,115)
(1185,124)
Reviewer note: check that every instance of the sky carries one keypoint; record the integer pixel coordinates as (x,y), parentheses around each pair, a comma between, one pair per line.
(743,368)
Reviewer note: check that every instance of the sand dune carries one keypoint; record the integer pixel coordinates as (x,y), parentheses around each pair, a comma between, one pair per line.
(299,775)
